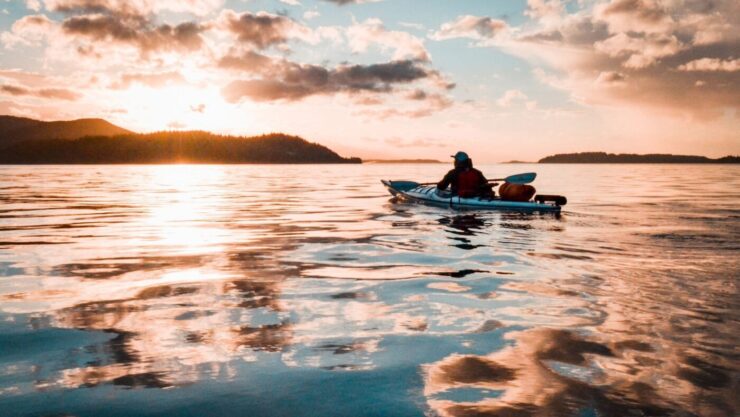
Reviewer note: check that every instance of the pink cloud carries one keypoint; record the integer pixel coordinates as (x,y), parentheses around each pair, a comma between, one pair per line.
(471,27)
(372,32)
(711,64)
(637,45)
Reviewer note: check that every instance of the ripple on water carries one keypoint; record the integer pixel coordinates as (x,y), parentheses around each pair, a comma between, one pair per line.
(261,289)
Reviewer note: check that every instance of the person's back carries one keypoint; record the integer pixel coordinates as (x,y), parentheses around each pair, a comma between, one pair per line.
(464,180)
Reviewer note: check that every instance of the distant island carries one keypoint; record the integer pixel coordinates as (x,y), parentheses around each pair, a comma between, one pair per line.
(95,141)
(517,162)
(402,161)
(627,158)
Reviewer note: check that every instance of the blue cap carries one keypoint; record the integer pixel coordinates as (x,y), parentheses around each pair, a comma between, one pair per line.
(460,156)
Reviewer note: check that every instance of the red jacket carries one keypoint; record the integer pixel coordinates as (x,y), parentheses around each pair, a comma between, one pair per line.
(466,182)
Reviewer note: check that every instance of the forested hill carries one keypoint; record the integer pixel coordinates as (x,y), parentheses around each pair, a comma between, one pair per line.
(20,129)
(170,147)
(626,158)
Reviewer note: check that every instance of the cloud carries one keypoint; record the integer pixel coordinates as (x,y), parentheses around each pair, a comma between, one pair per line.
(611,78)
(16,82)
(373,32)
(248,61)
(513,96)
(135,32)
(424,103)
(157,79)
(711,64)
(471,27)
(291,81)
(123,8)
(635,15)
(244,55)
(379,77)
(261,30)
(34,5)
(654,51)
(345,2)
(27,78)
(311,14)
(431,103)
(508,98)
(268,90)
(48,93)
(28,30)
(98,35)
(133,7)
(545,11)
(640,50)
(109,29)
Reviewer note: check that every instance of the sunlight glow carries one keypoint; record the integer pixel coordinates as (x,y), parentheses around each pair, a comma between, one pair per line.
(177,107)
(183,205)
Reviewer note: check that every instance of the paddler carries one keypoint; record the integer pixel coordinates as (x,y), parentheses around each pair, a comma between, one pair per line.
(464,180)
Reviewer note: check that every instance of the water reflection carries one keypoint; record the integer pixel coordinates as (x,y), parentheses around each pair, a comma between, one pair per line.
(462,228)
(560,373)
(171,277)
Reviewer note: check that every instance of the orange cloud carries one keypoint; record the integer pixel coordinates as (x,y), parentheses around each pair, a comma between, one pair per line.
(52,93)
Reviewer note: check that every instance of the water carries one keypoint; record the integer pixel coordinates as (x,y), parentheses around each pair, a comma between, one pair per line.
(307,291)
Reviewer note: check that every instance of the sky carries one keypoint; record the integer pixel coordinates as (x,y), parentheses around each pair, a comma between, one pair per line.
(500,79)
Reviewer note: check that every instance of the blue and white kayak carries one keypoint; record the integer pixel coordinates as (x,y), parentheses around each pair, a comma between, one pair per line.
(429,194)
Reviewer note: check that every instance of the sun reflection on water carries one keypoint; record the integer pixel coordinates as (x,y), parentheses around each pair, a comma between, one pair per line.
(184,203)
(174,276)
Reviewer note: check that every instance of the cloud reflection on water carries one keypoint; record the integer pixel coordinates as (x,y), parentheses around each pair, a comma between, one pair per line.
(190,273)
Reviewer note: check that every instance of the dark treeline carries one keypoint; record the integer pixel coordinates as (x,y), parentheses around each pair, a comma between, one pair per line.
(627,158)
(171,147)
(20,129)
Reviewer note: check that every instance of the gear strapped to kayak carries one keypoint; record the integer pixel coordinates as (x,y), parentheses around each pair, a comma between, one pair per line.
(516,192)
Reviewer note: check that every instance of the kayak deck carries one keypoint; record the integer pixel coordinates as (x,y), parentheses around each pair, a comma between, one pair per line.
(429,194)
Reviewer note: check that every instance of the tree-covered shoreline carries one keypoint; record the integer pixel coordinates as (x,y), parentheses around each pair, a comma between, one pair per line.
(172,147)
(624,158)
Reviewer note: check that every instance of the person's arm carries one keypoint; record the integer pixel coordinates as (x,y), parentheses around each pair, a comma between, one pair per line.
(446,181)
(482,181)
(485,188)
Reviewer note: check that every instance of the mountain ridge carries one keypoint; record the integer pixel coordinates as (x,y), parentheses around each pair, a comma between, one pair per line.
(21,129)
(629,158)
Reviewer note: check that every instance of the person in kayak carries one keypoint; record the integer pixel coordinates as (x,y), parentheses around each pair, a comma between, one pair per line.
(464,180)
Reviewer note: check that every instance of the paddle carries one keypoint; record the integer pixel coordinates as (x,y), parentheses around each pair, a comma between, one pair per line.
(525,178)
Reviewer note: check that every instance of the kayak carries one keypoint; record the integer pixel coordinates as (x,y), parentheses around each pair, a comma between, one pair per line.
(429,194)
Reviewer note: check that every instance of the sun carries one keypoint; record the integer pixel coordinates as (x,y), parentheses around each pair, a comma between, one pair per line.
(180,107)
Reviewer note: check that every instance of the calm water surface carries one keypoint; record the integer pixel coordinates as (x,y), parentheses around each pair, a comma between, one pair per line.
(307,291)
